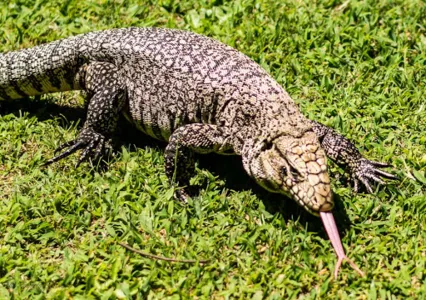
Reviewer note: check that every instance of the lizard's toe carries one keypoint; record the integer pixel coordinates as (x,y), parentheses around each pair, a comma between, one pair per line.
(87,152)
(72,146)
(182,195)
(368,172)
(93,143)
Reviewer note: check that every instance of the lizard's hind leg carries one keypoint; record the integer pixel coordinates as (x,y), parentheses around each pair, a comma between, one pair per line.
(104,83)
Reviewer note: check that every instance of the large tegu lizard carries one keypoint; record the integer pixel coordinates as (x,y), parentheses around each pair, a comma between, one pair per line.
(197,94)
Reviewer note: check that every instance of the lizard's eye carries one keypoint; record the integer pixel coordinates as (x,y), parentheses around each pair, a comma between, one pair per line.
(293,172)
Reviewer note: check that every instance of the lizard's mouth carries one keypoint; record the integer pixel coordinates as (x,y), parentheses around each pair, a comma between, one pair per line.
(326,207)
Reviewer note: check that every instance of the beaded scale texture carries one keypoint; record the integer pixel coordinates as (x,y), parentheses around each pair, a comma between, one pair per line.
(197,94)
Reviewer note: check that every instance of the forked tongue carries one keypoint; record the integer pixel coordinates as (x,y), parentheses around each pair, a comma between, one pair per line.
(333,234)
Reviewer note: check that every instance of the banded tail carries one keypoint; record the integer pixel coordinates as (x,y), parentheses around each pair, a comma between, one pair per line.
(39,70)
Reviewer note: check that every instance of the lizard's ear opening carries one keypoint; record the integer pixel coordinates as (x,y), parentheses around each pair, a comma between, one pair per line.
(267,146)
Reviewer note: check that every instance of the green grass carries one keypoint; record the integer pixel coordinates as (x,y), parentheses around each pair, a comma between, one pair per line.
(357,66)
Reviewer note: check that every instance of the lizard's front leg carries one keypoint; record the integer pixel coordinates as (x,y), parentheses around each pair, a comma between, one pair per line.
(345,154)
(200,138)
(103,82)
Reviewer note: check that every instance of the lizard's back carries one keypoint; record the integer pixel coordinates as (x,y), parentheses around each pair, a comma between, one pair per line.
(176,77)
(172,77)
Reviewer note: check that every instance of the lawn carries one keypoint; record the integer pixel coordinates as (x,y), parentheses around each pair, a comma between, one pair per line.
(357,66)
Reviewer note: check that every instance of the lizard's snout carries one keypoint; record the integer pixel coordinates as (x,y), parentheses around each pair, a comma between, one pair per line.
(327,206)
(314,191)
(314,198)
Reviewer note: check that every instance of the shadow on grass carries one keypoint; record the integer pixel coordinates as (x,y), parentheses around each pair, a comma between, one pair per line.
(42,109)
(228,168)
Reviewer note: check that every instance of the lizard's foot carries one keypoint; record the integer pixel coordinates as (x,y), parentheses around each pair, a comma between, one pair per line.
(93,143)
(368,172)
(182,195)
(184,190)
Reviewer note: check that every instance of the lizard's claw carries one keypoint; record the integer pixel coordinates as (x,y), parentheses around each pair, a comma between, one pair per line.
(93,143)
(367,172)
(182,196)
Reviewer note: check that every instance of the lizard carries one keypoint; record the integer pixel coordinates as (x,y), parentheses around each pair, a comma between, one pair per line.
(200,96)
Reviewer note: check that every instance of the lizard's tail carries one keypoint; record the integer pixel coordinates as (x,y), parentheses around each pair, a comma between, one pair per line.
(39,70)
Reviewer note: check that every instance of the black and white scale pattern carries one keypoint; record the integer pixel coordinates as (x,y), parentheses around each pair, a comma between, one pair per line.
(196,93)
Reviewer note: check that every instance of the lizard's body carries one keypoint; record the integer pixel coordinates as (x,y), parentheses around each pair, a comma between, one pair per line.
(171,78)
(198,95)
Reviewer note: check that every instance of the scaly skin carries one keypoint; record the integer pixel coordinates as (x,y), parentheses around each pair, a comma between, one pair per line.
(197,94)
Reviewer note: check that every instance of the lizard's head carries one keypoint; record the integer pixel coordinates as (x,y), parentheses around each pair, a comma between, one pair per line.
(296,167)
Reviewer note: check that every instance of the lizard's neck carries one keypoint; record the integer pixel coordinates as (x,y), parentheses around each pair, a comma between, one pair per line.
(280,116)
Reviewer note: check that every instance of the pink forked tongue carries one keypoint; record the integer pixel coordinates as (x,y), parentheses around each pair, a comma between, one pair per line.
(333,234)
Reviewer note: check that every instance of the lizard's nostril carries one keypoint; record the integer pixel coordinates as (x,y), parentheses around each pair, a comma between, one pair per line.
(327,206)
